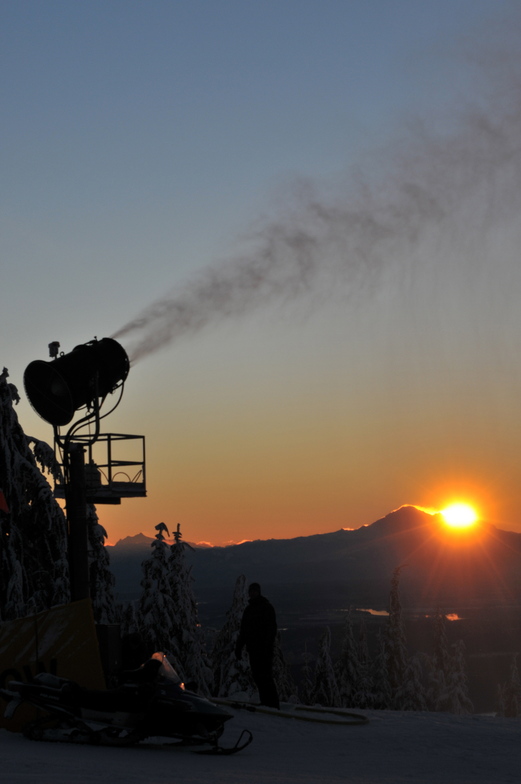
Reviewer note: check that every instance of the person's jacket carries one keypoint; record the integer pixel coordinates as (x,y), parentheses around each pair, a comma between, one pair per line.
(258,626)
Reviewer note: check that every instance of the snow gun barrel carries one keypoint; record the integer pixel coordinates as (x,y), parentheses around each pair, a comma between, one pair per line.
(57,389)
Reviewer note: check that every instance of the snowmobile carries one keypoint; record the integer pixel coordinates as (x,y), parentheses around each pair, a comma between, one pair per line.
(151,702)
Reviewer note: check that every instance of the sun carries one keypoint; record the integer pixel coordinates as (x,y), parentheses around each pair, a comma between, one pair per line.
(459,515)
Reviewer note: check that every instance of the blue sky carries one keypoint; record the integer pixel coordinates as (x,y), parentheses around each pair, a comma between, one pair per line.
(141,142)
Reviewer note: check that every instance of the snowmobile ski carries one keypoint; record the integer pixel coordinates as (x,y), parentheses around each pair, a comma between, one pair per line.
(227,750)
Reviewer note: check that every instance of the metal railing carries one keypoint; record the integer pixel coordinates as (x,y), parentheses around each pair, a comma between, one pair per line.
(110,474)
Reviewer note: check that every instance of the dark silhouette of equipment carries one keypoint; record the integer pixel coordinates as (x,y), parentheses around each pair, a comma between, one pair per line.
(57,389)
(81,381)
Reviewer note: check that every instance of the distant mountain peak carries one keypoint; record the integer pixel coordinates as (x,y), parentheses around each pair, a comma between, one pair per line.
(406,516)
(137,541)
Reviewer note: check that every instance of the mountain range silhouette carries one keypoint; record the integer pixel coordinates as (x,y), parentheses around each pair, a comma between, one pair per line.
(475,567)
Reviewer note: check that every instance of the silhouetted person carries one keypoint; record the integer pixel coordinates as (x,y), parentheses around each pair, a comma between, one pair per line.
(258,631)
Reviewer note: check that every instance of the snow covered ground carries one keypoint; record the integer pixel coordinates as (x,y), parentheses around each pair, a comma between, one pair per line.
(395,748)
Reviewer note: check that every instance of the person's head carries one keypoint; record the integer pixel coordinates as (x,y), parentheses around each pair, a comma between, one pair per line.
(254,590)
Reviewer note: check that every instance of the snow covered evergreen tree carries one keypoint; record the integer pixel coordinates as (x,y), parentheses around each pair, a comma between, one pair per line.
(500,700)
(286,687)
(509,693)
(440,666)
(12,583)
(307,680)
(364,695)
(411,694)
(382,687)
(129,618)
(231,675)
(347,666)
(395,641)
(325,691)
(34,572)
(157,610)
(191,650)
(457,683)
(101,579)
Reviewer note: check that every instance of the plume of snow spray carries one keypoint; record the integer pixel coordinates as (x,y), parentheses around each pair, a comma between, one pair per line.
(435,185)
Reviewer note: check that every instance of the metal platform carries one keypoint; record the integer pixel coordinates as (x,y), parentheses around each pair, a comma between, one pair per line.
(115,468)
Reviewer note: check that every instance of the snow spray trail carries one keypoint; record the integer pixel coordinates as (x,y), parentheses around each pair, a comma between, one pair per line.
(463,182)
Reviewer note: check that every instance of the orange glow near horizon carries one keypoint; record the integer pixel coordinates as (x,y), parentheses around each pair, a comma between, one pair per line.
(459,515)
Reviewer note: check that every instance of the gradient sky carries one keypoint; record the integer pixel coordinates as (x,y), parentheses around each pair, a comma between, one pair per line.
(363,157)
